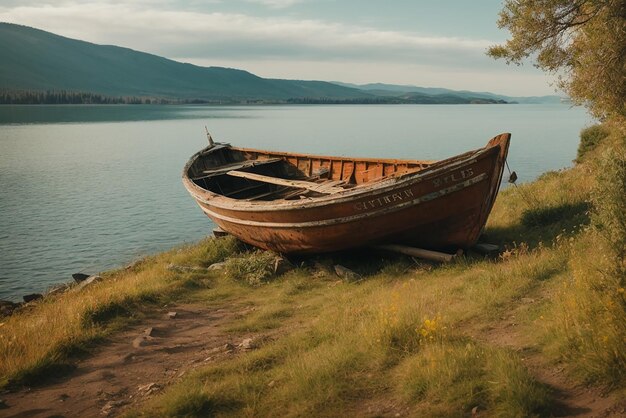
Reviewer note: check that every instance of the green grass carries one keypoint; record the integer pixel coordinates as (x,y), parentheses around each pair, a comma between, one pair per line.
(453,377)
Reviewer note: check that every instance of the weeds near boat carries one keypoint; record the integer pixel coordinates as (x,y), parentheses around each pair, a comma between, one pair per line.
(254,268)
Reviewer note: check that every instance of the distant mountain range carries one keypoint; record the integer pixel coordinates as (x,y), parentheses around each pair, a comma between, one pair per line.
(32,60)
(394,90)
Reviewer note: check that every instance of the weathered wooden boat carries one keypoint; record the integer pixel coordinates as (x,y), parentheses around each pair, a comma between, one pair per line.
(297,203)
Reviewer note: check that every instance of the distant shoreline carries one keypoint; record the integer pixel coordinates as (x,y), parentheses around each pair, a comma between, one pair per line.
(62,97)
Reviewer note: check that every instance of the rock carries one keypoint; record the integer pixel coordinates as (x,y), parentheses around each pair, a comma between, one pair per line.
(141,341)
(172,315)
(149,389)
(489,250)
(271,384)
(80,277)
(7,307)
(58,289)
(528,300)
(324,265)
(129,357)
(217,266)
(107,408)
(185,269)
(347,274)
(88,281)
(474,411)
(105,374)
(228,347)
(63,397)
(133,265)
(282,266)
(318,274)
(110,406)
(31,297)
(247,344)
(148,332)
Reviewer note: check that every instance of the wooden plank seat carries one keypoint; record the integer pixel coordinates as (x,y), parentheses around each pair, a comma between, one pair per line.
(330,187)
(223,169)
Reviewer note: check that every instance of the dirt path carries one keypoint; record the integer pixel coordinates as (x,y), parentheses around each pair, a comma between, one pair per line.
(134,365)
(571,399)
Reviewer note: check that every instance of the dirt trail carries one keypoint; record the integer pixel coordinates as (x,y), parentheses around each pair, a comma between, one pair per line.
(571,399)
(134,365)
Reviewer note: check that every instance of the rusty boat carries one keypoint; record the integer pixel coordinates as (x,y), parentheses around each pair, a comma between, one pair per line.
(298,203)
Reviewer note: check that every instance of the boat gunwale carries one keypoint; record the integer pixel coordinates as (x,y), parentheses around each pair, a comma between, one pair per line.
(331,157)
(355,217)
(222,202)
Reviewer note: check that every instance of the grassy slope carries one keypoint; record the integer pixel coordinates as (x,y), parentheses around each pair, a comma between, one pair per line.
(410,337)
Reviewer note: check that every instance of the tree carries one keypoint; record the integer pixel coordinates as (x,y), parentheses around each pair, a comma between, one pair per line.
(583,42)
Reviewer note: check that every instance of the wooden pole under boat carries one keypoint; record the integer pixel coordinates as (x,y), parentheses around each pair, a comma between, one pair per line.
(417,252)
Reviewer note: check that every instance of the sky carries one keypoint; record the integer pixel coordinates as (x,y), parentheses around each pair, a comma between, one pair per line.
(419,42)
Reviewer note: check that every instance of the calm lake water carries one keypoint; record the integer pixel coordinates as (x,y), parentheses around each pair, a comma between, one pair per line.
(89,188)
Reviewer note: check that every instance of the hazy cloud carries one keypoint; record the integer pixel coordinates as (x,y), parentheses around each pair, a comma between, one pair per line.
(276,4)
(231,34)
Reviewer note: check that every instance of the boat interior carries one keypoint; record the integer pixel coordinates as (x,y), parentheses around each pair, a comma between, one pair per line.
(247,174)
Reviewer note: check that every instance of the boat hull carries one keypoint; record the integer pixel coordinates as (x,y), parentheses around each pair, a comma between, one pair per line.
(444,207)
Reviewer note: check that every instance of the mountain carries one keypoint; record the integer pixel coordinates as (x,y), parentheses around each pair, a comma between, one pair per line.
(32,59)
(41,67)
(388,90)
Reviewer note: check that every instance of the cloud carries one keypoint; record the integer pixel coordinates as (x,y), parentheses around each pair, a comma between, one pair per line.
(276,4)
(232,34)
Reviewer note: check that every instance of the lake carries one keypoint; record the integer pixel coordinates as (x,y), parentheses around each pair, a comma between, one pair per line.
(89,188)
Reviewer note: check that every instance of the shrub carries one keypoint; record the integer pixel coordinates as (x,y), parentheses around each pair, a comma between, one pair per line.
(253,269)
(589,139)
(219,249)
(609,200)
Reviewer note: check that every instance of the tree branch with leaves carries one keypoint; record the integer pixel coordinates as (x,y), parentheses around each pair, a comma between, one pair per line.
(582,42)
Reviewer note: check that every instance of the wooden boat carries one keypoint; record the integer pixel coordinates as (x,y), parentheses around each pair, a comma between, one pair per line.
(297,203)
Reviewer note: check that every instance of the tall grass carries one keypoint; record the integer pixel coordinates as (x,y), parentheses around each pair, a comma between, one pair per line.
(451,378)
(592,309)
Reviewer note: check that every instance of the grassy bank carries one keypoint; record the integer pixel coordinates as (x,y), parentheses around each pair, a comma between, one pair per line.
(438,340)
